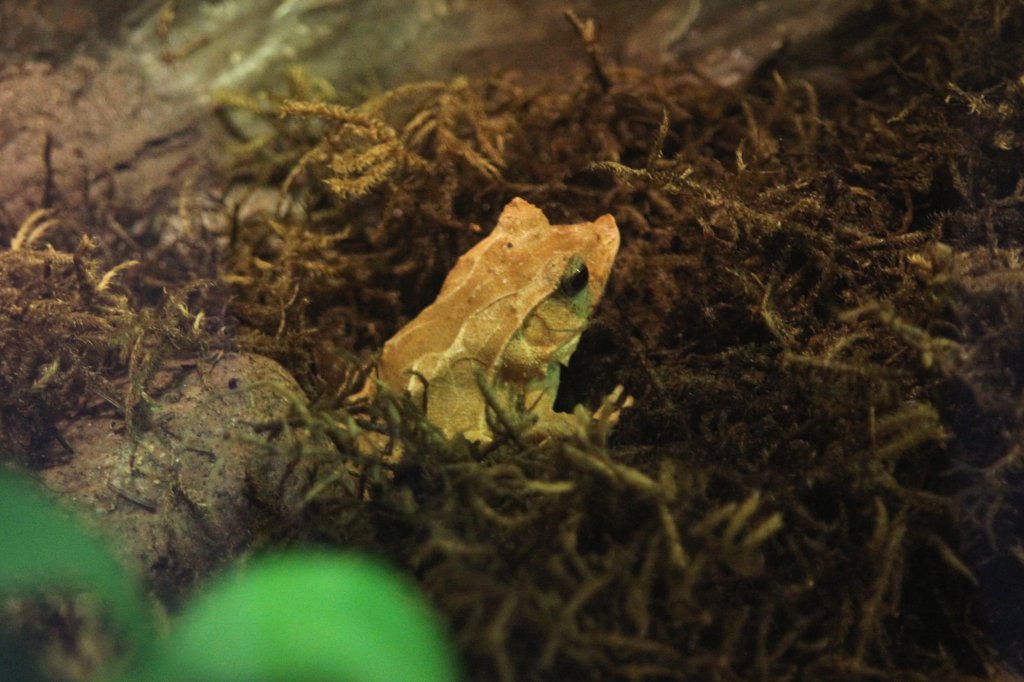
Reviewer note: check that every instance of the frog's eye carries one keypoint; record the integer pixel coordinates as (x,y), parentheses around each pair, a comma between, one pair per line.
(575,277)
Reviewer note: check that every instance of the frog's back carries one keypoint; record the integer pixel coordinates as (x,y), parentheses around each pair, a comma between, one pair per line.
(472,319)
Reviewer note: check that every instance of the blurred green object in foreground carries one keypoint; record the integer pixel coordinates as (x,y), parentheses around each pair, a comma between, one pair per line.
(42,548)
(308,616)
(290,616)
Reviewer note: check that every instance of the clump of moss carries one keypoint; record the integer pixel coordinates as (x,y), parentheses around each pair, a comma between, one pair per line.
(71,333)
(816,307)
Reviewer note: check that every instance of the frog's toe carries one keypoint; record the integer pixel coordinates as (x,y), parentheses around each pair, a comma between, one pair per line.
(613,405)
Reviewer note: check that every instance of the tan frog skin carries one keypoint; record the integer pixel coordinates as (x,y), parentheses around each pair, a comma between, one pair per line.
(510,312)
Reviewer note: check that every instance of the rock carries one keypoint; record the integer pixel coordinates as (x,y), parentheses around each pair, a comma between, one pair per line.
(202,483)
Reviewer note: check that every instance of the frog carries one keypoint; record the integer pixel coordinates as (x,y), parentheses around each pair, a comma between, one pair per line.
(508,317)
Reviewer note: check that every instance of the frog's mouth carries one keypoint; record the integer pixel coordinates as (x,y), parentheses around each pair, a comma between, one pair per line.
(553,341)
(538,350)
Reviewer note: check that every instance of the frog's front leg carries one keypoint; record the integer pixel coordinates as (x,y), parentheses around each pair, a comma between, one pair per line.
(551,423)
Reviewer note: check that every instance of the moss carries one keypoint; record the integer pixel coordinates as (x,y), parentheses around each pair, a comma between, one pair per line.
(818,308)
(70,329)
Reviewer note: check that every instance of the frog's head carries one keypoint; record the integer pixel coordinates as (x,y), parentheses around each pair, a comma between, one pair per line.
(553,298)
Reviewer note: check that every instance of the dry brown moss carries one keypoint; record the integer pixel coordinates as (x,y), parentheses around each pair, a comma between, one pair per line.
(794,323)
(818,307)
(71,334)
